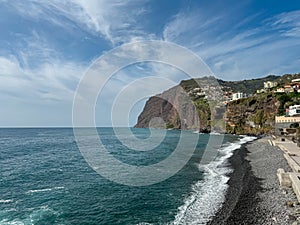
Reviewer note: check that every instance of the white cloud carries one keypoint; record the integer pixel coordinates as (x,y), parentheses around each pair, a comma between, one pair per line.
(117,21)
(50,81)
(288,23)
(239,50)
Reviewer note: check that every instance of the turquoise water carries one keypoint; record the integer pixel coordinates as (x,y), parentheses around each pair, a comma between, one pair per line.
(45,180)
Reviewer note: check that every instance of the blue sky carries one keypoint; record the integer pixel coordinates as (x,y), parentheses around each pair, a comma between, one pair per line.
(47,46)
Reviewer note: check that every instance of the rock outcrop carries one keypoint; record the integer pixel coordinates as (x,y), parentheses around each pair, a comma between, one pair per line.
(254,115)
(171,109)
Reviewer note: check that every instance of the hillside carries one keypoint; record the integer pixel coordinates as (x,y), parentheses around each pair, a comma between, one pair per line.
(252,115)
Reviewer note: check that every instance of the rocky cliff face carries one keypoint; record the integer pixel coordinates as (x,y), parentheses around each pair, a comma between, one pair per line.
(253,115)
(171,109)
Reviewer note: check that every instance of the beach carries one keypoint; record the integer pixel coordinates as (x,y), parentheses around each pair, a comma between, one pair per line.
(254,195)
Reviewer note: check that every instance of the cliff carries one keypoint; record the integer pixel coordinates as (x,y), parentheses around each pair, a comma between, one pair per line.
(170,106)
(252,115)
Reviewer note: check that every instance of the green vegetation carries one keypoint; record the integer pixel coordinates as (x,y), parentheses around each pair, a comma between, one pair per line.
(203,108)
(169,125)
(247,86)
(259,118)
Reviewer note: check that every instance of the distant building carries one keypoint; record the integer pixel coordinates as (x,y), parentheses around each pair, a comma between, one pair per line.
(238,95)
(260,91)
(280,90)
(200,93)
(288,88)
(269,84)
(294,110)
(295,85)
(296,80)
(284,119)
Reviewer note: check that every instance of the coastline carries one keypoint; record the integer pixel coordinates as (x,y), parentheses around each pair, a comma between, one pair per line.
(254,195)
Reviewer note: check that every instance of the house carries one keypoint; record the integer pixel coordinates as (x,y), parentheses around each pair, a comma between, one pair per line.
(260,91)
(294,110)
(238,95)
(288,88)
(295,85)
(296,80)
(280,90)
(269,84)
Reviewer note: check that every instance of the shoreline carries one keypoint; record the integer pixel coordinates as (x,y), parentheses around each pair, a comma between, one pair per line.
(254,195)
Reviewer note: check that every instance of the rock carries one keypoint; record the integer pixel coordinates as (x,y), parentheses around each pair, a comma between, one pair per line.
(205,130)
(290,204)
(292,217)
(177,110)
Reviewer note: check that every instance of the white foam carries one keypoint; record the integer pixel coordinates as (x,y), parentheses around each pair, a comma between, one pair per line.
(44,190)
(32,218)
(6,200)
(14,222)
(208,194)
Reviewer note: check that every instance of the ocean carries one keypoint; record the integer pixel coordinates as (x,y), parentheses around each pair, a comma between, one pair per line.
(46,180)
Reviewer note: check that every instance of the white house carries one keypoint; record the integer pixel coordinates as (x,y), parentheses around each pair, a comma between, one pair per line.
(294,110)
(269,84)
(260,91)
(296,80)
(238,95)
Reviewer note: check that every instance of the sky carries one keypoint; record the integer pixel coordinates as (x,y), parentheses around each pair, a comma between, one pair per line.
(46,47)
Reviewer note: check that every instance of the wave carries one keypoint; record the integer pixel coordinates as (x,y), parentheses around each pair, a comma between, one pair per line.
(208,194)
(35,216)
(6,200)
(215,133)
(43,190)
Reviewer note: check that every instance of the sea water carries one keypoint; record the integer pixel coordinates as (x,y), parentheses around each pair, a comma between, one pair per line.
(44,179)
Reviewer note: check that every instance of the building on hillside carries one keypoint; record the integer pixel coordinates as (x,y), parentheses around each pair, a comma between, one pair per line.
(285,125)
(296,80)
(260,91)
(286,119)
(294,110)
(288,88)
(238,95)
(280,90)
(295,85)
(270,84)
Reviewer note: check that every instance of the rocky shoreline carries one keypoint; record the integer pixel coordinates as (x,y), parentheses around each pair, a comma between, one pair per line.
(254,195)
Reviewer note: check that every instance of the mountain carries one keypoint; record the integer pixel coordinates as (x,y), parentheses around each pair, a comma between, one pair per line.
(198,104)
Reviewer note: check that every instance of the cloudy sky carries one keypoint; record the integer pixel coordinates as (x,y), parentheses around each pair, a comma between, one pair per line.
(47,46)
